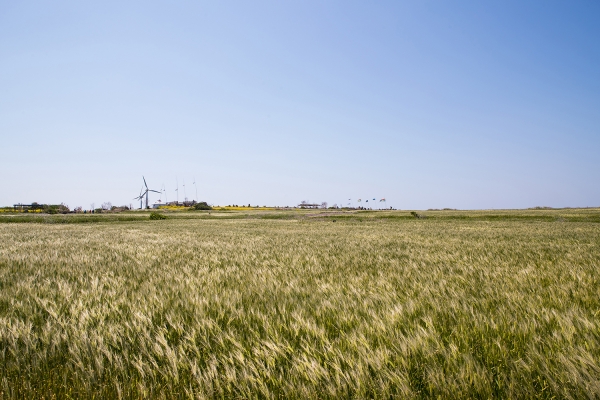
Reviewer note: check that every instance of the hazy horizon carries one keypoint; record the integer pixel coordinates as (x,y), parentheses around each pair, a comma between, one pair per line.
(430,105)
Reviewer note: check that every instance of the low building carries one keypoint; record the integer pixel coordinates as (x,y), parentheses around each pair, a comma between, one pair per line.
(158,204)
(308,205)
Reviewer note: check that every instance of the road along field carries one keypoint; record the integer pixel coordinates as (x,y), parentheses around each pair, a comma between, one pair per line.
(294,305)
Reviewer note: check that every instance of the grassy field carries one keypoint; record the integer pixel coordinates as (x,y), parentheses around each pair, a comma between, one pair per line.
(301,304)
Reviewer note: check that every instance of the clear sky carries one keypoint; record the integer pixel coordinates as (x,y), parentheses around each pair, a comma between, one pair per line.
(429,104)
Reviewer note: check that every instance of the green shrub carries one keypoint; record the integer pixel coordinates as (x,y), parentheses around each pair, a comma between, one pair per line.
(55,209)
(201,206)
(416,215)
(156,216)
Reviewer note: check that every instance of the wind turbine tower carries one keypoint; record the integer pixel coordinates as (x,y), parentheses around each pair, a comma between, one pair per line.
(196,187)
(141,196)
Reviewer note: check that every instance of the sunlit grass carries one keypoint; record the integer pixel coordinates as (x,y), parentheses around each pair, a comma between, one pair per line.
(457,304)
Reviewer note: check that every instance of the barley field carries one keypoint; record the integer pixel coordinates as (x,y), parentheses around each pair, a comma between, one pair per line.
(301,304)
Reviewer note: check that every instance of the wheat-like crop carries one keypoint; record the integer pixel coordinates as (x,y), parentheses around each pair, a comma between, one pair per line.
(373,305)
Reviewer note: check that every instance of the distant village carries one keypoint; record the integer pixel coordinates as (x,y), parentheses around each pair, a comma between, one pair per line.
(107,207)
(104,208)
(145,204)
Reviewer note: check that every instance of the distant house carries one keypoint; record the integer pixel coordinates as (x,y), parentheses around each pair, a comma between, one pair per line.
(158,204)
(25,207)
(308,205)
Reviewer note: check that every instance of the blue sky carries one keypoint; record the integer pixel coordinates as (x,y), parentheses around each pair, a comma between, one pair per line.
(428,104)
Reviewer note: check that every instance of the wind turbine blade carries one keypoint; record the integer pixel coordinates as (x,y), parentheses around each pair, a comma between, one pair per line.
(145,184)
(155,191)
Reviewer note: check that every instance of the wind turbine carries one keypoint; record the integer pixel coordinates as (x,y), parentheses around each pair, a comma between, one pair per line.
(140,197)
(162,191)
(145,193)
(196,187)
